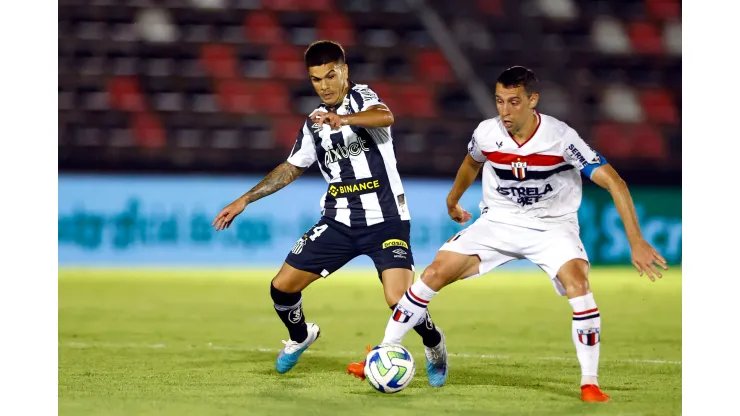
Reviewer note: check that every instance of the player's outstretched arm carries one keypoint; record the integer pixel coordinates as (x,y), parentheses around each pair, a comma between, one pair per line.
(374,116)
(466,174)
(276,180)
(644,256)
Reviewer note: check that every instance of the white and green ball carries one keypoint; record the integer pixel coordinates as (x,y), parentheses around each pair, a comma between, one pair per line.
(389,368)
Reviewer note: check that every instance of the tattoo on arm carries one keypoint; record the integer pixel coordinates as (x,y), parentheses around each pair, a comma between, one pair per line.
(276,180)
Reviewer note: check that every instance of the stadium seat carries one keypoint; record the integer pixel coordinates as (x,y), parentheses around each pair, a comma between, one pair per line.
(610,140)
(273,98)
(664,9)
(262,28)
(337,27)
(418,100)
(658,106)
(236,96)
(219,61)
(147,130)
(558,10)
(125,94)
(672,36)
(648,142)
(608,35)
(387,94)
(432,66)
(286,62)
(645,38)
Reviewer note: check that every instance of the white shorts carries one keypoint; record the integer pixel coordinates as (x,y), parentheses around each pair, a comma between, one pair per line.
(498,243)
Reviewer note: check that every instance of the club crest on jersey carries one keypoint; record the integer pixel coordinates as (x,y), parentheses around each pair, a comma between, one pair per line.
(588,336)
(519,169)
(298,247)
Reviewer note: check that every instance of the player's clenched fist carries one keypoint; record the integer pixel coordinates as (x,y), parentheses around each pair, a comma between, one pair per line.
(458,214)
(332,119)
(226,216)
(645,257)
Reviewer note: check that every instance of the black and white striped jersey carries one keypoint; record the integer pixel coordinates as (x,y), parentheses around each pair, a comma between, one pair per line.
(359,165)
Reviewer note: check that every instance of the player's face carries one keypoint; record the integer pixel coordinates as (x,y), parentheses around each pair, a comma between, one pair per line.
(514,106)
(329,81)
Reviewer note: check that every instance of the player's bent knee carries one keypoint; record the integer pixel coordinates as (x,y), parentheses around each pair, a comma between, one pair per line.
(573,275)
(432,278)
(576,288)
(292,280)
(436,278)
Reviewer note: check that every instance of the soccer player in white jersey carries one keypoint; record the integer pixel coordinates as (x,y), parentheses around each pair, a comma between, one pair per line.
(364,210)
(531,193)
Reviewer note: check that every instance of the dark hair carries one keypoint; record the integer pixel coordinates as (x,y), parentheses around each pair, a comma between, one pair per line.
(324,52)
(519,76)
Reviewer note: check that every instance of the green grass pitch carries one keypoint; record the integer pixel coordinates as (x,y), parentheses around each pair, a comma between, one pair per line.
(143,342)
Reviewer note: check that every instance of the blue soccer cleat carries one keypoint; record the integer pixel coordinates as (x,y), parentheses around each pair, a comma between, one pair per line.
(437,362)
(289,355)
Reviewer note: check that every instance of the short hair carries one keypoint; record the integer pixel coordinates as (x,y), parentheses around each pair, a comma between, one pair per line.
(519,76)
(324,52)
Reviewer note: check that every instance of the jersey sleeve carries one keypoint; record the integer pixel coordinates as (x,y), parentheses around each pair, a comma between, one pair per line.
(365,97)
(475,151)
(581,155)
(303,154)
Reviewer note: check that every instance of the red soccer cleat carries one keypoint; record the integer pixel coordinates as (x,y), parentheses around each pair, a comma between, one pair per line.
(358,369)
(592,393)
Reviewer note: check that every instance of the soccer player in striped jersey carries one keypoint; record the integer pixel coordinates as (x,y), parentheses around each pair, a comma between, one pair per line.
(531,193)
(364,210)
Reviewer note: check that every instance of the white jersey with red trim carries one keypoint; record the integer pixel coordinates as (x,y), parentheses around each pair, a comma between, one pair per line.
(537,184)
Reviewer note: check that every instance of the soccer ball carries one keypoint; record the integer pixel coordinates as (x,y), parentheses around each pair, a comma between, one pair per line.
(389,368)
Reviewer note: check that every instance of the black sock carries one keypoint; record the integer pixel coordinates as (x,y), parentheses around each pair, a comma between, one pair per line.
(289,307)
(426,329)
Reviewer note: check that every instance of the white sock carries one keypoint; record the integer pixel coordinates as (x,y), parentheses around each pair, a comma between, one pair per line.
(586,336)
(408,312)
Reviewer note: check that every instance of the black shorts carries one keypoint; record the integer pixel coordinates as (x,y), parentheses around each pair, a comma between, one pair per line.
(329,245)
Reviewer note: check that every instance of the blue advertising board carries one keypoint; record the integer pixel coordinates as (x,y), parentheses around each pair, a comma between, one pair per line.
(111,221)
